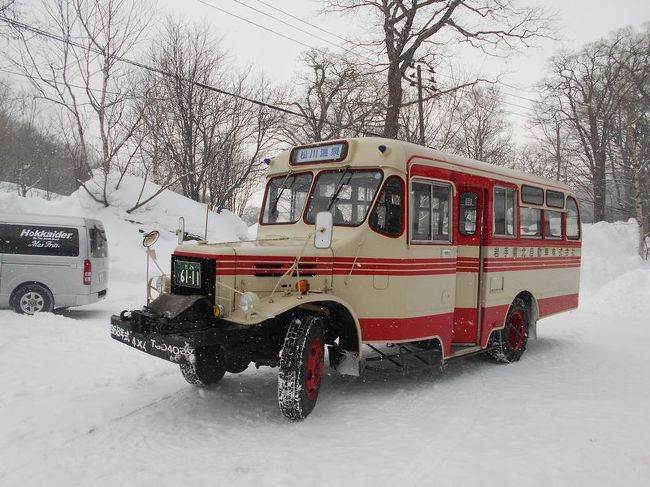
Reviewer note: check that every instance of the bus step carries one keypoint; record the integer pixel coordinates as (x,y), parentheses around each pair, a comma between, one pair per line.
(403,357)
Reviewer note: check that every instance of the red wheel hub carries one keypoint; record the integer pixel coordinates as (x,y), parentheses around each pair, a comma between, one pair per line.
(315,368)
(516,331)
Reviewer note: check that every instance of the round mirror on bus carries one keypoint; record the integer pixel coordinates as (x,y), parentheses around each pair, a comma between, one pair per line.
(150,238)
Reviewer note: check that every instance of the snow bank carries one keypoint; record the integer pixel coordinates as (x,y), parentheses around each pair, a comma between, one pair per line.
(573,411)
(613,276)
(124,230)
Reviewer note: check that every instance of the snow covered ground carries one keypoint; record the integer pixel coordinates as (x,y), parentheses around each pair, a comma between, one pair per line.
(77,408)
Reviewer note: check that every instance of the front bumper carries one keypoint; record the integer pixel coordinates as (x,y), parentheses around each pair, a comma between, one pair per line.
(174,348)
(184,347)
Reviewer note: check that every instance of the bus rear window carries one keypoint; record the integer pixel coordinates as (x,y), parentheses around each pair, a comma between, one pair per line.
(572,219)
(98,242)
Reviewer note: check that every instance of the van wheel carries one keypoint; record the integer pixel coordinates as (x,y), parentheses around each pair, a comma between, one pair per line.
(208,369)
(509,344)
(302,365)
(32,298)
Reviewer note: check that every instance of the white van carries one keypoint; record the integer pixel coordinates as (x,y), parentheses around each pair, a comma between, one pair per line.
(49,262)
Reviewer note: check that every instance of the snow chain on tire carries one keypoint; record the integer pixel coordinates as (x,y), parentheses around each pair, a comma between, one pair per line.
(499,349)
(203,374)
(303,333)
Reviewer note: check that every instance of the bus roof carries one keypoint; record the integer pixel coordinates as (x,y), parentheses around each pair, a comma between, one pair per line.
(366,152)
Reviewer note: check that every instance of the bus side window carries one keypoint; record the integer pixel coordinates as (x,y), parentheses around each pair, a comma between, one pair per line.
(386,218)
(467,213)
(430,211)
(553,223)
(504,212)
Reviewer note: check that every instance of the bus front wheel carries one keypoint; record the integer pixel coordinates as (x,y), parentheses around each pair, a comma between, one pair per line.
(509,344)
(302,365)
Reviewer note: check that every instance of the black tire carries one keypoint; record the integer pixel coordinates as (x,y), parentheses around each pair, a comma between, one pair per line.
(208,369)
(32,298)
(509,344)
(237,363)
(302,366)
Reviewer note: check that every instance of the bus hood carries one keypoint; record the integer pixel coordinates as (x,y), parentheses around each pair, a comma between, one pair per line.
(258,265)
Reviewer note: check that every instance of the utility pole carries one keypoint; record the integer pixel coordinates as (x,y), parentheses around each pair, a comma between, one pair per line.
(430,85)
(420,107)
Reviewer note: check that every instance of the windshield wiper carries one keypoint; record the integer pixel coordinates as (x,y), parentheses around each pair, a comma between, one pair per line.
(274,204)
(339,187)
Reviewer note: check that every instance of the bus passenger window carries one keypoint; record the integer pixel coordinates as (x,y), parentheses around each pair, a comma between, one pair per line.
(430,212)
(572,219)
(467,213)
(504,212)
(553,224)
(387,215)
(530,225)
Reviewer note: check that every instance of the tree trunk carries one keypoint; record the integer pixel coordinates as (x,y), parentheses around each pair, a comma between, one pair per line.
(600,189)
(391,125)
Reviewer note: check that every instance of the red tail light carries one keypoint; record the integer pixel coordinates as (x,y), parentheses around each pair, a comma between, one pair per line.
(88,272)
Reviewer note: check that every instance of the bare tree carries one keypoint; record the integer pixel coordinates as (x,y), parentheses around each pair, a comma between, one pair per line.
(83,75)
(483,132)
(209,141)
(410,29)
(586,88)
(550,131)
(338,99)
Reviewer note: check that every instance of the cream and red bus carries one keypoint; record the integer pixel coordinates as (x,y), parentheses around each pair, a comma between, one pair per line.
(368,245)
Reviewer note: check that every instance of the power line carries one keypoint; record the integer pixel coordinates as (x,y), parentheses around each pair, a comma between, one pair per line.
(268,29)
(300,29)
(35,30)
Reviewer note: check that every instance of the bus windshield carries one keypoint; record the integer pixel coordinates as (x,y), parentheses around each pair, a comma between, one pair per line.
(285,198)
(347,195)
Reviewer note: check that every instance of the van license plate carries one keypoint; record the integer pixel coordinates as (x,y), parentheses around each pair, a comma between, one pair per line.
(187,274)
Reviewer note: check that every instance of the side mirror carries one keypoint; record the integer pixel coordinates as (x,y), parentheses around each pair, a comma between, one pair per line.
(150,238)
(180,233)
(324,230)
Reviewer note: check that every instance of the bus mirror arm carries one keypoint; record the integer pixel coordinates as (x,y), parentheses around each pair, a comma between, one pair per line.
(324,229)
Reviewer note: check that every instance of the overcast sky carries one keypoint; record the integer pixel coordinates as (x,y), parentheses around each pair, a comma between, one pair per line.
(579,22)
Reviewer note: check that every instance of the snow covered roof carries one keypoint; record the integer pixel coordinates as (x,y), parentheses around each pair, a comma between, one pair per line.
(37,219)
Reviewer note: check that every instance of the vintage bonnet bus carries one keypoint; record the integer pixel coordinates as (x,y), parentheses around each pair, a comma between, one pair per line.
(364,243)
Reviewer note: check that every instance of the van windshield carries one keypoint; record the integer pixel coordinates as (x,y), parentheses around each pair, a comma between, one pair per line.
(98,242)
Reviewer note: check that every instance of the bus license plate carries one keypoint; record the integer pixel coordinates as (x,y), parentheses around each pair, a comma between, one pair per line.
(187,274)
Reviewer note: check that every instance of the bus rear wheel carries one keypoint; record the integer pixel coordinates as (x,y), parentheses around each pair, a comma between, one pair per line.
(509,344)
(302,366)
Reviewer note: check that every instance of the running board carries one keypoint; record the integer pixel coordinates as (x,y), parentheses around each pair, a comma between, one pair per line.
(462,352)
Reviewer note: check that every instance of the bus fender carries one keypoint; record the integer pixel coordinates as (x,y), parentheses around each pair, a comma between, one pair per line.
(341,359)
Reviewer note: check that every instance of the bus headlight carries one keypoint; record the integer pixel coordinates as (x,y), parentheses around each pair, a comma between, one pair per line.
(248,301)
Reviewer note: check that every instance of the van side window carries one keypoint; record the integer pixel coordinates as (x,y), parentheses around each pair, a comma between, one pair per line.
(572,219)
(553,224)
(530,225)
(386,218)
(39,240)
(430,211)
(504,212)
(468,204)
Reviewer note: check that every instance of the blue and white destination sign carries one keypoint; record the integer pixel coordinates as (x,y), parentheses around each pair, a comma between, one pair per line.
(322,153)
